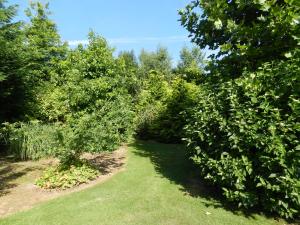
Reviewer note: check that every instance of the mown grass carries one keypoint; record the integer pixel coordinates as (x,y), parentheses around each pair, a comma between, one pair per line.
(156,188)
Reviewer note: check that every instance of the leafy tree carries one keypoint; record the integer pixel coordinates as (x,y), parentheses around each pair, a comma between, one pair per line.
(159,61)
(191,64)
(128,62)
(92,100)
(246,33)
(244,136)
(11,62)
(151,104)
(43,41)
(191,58)
(44,51)
(129,59)
(243,132)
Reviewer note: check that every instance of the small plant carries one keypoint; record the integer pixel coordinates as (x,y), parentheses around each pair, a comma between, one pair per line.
(64,178)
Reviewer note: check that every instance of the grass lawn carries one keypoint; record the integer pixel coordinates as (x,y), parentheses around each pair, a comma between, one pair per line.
(156,188)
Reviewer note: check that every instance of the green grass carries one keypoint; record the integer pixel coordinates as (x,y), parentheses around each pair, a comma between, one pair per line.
(154,189)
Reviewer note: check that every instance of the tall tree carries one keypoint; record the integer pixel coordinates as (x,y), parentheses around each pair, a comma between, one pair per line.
(44,50)
(191,58)
(129,66)
(11,76)
(159,61)
(191,64)
(129,59)
(44,45)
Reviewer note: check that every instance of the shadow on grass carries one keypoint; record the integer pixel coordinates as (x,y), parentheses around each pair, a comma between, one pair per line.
(106,163)
(172,163)
(10,171)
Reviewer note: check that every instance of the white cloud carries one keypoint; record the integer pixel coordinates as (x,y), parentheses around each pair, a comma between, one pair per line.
(77,42)
(135,40)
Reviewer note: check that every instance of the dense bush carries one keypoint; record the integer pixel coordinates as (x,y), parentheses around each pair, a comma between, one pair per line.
(171,121)
(163,118)
(151,103)
(244,135)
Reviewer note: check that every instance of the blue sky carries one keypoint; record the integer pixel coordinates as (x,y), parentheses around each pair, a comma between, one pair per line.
(126,24)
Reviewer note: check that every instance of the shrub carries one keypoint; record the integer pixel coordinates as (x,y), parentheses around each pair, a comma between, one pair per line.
(151,103)
(244,135)
(162,107)
(168,126)
(58,178)
(102,130)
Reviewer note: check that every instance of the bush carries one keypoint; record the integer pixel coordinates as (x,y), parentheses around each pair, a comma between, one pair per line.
(58,178)
(102,130)
(168,126)
(244,135)
(162,108)
(151,104)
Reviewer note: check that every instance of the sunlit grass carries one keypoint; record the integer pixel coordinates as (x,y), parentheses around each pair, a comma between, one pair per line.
(151,190)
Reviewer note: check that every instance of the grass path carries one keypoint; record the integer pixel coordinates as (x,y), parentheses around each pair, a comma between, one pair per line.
(152,190)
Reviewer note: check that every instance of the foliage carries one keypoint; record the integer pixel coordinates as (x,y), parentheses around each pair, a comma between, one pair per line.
(12,88)
(163,110)
(91,97)
(43,52)
(31,140)
(244,131)
(129,59)
(191,58)
(191,65)
(159,61)
(43,44)
(240,113)
(57,178)
(151,104)
(244,135)
(170,123)
(128,64)
(246,33)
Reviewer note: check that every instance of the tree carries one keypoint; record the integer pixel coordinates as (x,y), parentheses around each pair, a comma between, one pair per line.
(44,45)
(159,61)
(247,33)
(191,64)
(128,64)
(92,101)
(11,63)
(44,50)
(129,59)
(191,58)
(243,135)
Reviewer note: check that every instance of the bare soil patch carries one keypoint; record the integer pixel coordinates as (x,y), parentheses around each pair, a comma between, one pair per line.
(18,191)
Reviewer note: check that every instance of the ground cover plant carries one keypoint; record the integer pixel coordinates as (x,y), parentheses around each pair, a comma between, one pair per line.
(58,178)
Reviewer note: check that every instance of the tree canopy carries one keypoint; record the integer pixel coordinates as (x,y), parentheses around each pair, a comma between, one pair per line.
(246,33)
